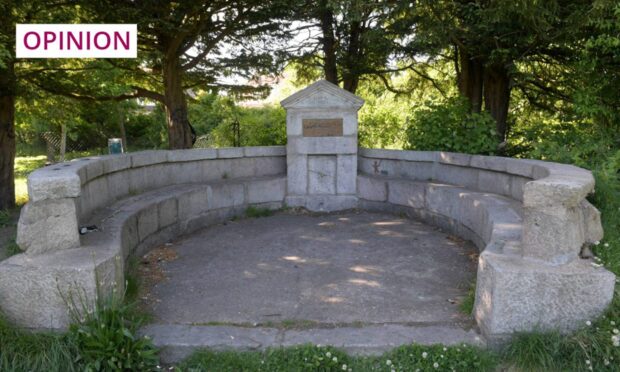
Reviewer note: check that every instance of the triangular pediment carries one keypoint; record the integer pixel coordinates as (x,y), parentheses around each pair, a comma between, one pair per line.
(322,94)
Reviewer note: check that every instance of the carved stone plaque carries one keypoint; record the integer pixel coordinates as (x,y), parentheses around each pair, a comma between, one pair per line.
(322,127)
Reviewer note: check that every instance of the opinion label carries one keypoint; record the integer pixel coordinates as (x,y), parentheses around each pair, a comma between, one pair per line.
(321,127)
(76,41)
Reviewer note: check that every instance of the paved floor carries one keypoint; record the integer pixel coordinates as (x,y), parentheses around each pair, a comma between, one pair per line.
(336,269)
(342,279)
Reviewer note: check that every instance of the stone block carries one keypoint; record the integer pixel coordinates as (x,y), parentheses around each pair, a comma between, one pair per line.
(453,158)
(519,167)
(264,151)
(407,193)
(472,212)
(94,168)
(216,170)
(517,184)
(230,152)
(492,163)
(412,170)
(494,182)
(137,179)
(456,175)
(346,174)
(33,293)
(118,185)
(148,221)
(144,158)
(372,188)
(553,234)
(263,191)
(323,203)
(242,168)
(115,163)
(53,182)
(193,203)
(444,200)
(175,156)
(225,195)
(270,166)
(556,190)
(129,236)
(591,222)
(297,174)
(321,174)
(167,212)
(517,295)
(47,226)
(322,145)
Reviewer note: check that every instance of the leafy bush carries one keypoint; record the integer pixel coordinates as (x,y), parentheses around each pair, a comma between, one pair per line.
(106,337)
(452,127)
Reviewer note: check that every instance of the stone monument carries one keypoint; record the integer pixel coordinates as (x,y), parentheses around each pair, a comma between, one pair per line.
(321,129)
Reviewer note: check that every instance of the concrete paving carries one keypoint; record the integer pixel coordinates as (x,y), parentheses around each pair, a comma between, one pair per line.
(314,274)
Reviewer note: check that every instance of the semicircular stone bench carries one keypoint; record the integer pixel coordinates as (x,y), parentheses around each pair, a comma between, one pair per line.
(529,219)
(137,201)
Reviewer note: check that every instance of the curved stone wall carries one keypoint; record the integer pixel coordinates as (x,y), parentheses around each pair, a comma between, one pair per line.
(530,219)
(137,201)
(80,187)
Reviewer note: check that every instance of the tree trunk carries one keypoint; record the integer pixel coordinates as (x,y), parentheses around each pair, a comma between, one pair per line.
(7,136)
(179,132)
(328,42)
(470,79)
(350,74)
(497,96)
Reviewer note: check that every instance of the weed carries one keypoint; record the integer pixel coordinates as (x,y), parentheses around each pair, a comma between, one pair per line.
(5,218)
(254,212)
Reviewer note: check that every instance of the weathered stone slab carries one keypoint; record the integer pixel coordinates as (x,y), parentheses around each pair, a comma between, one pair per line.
(515,295)
(48,226)
(322,175)
(372,188)
(263,191)
(407,193)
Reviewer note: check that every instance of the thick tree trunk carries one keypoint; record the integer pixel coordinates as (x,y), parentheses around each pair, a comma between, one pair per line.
(350,83)
(469,79)
(179,132)
(328,42)
(497,96)
(7,136)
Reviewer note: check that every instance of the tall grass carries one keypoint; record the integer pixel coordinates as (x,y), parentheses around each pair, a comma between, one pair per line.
(46,352)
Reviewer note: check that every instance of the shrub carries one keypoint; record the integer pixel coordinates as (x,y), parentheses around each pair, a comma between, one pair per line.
(452,127)
(106,337)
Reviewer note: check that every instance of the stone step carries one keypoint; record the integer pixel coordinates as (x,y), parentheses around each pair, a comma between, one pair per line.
(177,341)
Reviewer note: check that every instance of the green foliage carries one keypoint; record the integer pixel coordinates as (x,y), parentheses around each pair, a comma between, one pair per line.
(106,336)
(591,348)
(26,351)
(314,358)
(254,212)
(5,218)
(451,127)
(214,116)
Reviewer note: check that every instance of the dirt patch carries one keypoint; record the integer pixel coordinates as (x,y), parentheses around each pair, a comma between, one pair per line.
(151,271)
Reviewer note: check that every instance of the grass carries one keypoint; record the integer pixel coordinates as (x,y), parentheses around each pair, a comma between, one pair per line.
(24,351)
(255,212)
(13,249)
(315,358)
(591,346)
(5,218)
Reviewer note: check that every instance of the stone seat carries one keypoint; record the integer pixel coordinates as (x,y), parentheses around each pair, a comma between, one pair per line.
(492,222)
(129,227)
